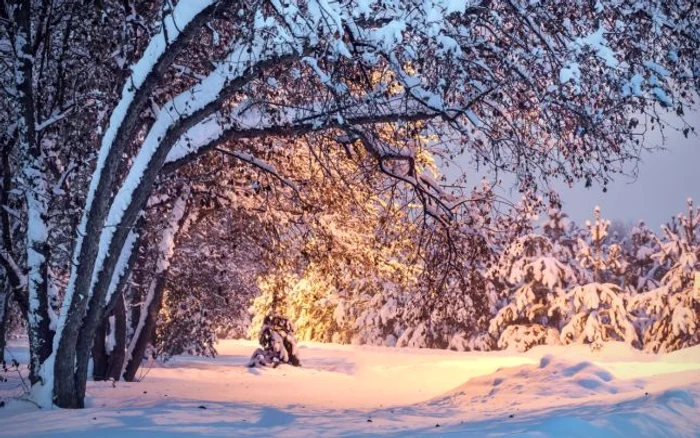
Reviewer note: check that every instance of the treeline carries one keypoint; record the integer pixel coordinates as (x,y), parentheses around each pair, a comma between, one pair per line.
(548,282)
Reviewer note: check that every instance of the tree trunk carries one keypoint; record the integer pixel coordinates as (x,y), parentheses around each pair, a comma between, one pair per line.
(32,179)
(148,315)
(99,352)
(116,356)
(107,364)
(87,334)
(82,320)
(4,312)
(13,276)
(69,382)
(146,329)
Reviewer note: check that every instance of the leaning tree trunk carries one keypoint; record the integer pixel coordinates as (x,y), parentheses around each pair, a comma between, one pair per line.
(146,326)
(118,353)
(70,369)
(146,331)
(184,112)
(108,364)
(180,115)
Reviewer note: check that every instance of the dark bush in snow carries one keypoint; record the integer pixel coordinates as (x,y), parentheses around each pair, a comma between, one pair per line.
(278,343)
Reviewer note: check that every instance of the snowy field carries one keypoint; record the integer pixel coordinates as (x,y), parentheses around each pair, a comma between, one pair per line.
(359,391)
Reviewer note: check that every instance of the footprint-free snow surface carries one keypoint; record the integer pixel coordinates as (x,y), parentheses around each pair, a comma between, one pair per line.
(358,391)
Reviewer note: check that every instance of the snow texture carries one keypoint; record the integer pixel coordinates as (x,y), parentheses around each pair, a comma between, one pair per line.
(550,391)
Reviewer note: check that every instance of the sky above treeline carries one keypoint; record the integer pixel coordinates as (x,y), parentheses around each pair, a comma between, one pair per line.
(665,180)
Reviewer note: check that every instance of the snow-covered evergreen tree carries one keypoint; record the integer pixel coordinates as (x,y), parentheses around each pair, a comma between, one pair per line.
(600,253)
(566,238)
(597,311)
(668,315)
(644,271)
(534,279)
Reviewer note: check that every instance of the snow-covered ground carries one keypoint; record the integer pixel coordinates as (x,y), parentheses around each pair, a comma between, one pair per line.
(358,391)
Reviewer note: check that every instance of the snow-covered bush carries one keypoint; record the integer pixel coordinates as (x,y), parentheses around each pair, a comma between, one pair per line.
(522,337)
(596,312)
(455,318)
(278,343)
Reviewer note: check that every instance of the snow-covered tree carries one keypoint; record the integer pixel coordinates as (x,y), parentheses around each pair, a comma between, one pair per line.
(599,253)
(448,307)
(668,315)
(534,279)
(564,235)
(346,260)
(597,311)
(548,290)
(58,62)
(644,271)
(214,270)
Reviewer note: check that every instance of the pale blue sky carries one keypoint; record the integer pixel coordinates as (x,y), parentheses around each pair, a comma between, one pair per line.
(666,178)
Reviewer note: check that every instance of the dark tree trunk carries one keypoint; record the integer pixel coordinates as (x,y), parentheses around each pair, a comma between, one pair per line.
(116,357)
(11,283)
(101,358)
(41,336)
(148,331)
(5,296)
(69,387)
(108,364)
(99,352)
